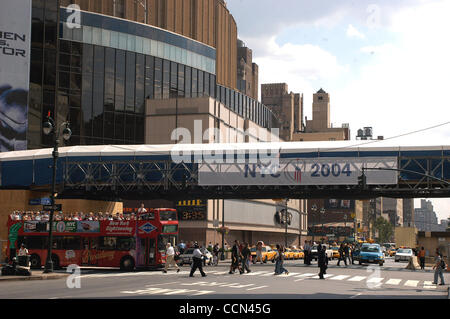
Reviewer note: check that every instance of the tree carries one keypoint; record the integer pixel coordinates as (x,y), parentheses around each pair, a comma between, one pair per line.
(385,230)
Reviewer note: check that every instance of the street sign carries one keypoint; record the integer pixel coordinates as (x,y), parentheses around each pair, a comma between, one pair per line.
(57,207)
(40,201)
(34,202)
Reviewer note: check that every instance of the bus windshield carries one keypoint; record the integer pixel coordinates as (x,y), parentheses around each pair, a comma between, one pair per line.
(167,215)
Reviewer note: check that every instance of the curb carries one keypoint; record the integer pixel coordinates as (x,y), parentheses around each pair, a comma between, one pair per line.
(40,277)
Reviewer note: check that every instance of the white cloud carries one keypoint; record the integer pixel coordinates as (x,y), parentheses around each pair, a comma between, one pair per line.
(404,86)
(352,32)
(296,65)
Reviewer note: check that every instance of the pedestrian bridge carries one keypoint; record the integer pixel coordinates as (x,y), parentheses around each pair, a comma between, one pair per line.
(235,171)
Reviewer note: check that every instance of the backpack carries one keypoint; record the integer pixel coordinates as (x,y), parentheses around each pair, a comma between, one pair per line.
(443,265)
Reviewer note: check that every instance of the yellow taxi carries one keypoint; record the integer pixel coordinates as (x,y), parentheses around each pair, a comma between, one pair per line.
(336,253)
(289,253)
(392,252)
(298,254)
(268,254)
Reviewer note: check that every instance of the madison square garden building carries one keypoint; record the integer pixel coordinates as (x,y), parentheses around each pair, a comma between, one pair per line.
(116,61)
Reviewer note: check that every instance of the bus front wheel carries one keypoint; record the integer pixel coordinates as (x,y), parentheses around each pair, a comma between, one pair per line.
(35,262)
(127,264)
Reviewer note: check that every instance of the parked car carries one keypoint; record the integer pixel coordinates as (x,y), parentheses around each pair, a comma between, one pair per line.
(289,254)
(186,257)
(298,254)
(268,254)
(403,254)
(328,252)
(371,254)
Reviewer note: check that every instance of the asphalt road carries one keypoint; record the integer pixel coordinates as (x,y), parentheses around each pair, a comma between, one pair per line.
(354,282)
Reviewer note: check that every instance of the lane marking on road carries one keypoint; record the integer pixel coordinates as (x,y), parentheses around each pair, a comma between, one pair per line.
(412,283)
(269,274)
(340,277)
(305,275)
(291,274)
(325,276)
(357,278)
(177,291)
(428,285)
(393,282)
(255,288)
(256,273)
(375,280)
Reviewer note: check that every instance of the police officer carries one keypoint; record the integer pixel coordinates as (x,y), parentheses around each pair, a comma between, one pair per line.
(322,258)
(197,261)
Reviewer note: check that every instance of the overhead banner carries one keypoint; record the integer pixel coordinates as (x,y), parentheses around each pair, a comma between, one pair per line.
(320,171)
(15,34)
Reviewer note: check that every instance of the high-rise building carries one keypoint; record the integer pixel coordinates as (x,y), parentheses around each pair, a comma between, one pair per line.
(288,107)
(408,212)
(320,127)
(425,217)
(247,72)
(392,210)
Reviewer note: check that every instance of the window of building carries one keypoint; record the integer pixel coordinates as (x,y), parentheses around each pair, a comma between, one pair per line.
(130,84)
(149,66)
(120,81)
(173,80)
(187,78)
(140,84)
(110,64)
(166,79)
(181,84)
(194,83)
(158,78)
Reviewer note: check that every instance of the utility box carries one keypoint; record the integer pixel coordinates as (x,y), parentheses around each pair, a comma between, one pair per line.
(406,237)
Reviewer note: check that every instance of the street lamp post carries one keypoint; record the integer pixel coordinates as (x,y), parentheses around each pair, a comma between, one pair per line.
(286,224)
(50,128)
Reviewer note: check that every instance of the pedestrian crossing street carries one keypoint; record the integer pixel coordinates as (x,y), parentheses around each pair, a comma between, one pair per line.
(371,280)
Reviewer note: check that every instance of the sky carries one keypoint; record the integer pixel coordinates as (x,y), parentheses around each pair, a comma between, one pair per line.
(385,63)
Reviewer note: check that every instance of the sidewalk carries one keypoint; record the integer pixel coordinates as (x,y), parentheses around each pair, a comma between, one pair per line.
(35,275)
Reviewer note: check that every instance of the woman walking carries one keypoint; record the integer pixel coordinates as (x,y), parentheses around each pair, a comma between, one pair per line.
(279,268)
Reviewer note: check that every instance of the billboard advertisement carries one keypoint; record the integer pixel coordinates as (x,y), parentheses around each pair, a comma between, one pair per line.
(320,171)
(15,34)
(340,204)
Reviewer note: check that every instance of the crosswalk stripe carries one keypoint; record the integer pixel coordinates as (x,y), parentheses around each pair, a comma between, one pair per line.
(269,274)
(255,288)
(357,278)
(428,285)
(393,282)
(375,280)
(412,283)
(257,273)
(305,275)
(341,277)
(325,276)
(291,274)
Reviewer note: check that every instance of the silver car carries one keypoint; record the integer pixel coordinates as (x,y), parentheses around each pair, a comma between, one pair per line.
(403,254)
(186,257)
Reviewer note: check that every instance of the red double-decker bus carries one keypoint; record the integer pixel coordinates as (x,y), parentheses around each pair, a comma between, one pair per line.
(128,244)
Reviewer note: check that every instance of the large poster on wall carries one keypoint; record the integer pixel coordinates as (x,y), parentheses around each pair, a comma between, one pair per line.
(15,34)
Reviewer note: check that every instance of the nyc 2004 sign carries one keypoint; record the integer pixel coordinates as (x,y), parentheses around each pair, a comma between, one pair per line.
(320,171)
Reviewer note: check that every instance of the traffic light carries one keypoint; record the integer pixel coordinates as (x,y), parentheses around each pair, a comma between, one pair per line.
(362,181)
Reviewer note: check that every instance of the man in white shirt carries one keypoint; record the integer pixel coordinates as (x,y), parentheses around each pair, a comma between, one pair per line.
(38,216)
(170,258)
(142,209)
(23,251)
(197,261)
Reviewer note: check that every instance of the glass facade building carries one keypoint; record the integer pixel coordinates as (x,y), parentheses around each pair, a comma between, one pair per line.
(107,69)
